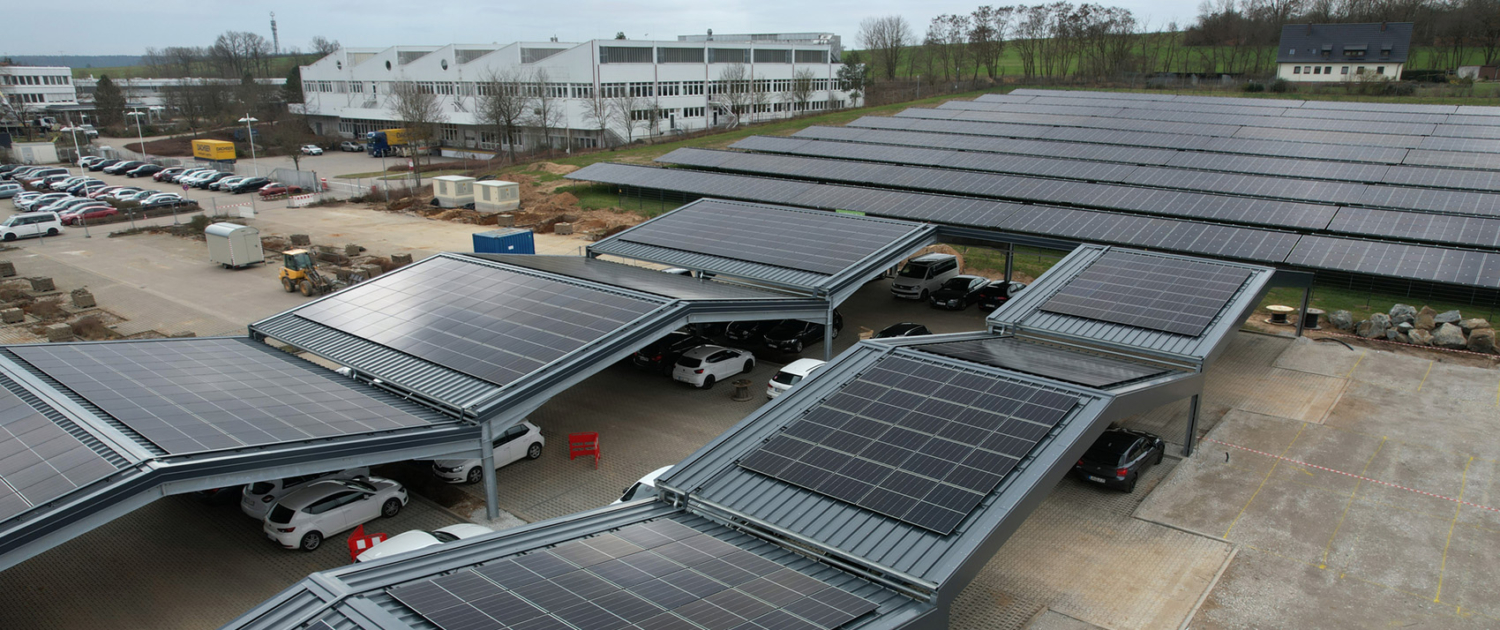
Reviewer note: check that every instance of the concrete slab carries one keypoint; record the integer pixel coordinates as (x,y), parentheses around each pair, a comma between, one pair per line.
(1053,620)
(1394,371)
(1323,358)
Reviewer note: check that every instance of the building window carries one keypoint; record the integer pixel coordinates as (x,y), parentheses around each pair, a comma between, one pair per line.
(612,90)
(1327,69)
(1379,69)
(643,89)
(728,55)
(1317,69)
(692,112)
(811,56)
(1345,70)
(679,55)
(771,55)
(624,54)
(1291,52)
(1296,69)
(692,88)
(1359,70)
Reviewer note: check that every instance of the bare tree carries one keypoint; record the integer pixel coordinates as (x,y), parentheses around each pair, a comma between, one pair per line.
(622,110)
(237,53)
(596,111)
(322,46)
(884,38)
(420,113)
(802,88)
(733,88)
(988,29)
(547,107)
(504,105)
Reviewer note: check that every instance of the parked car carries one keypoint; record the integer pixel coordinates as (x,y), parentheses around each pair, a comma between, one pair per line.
(922,275)
(956,293)
(224,183)
(703,366)
(749,332)
(100,192)
(23,198)
(102,164)
(523,440)
(65,203)
(645,488)
(418,539)
(661,355)
(88,160)
(119,194)
(47,182)
(44,199)
(1119,457)
(257,497)
(164,196)
(209,178)
(903,329)
(790,375)
(352,147)
(992,295)
(166,173)
(183,176)
(144,170)
(312,149)
(165,202)
(8,191)
(119,168)
(33,177)
(91,212)
(30,224)
(244,186)
(85,187)
(793,335)
(276,188)
(303,518)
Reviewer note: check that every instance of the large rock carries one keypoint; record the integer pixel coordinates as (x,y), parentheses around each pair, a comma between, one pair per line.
(1403,314)
(1342,320)
(1424,319)
(1420,337)
(1482,340)
(1391,334)
(1449,336)
(1471,325)
(1448,317)
(1375,327)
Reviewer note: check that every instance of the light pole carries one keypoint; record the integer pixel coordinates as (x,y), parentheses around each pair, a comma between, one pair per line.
(140,137)
(250,137)
(81,173)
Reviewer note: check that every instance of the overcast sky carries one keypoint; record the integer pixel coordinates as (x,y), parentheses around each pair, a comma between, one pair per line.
(98,27)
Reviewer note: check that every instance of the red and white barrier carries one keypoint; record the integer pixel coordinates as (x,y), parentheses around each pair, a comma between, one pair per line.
(299,201)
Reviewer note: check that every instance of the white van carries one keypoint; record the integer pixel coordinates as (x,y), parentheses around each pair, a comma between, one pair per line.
(31,224)
(790,375)
(923,275)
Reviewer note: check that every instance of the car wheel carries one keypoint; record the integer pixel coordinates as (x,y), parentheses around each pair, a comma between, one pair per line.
(476,474)
(391,508)
(749,365)
(534,451)
(311,541)
(1161,454)
(708,383)
(10,237)
(1129,486)
(286,283)
(797,346)
(306,287)
(51,231)
(923,296)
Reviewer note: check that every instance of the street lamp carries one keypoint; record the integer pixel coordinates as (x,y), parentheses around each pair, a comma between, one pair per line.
(138,135)
(74,130)
(250,137)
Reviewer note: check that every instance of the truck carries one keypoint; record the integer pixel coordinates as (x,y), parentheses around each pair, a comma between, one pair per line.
(386,142)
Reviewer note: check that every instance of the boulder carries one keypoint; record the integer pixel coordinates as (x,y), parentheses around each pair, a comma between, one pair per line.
(1449,336)
(1471,325)
(83,299)
(1482,340)
(1420,337)
(1403,314)
(1448,317)
(59,332)
(7,269)
(1391,334)
(1375,327)
(1342,320)
(1405,327)
(1424,319)
(13,315)
(1401,338)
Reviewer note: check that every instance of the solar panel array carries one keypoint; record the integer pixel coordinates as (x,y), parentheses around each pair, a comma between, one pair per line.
(1071,366)
(1176,296)
(920,442)
(39,461)
(492,323)
(796,239)
(660,574)
(210,394)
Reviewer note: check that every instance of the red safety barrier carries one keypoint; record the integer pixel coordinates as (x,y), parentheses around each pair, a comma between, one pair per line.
(584,445)
(360,543)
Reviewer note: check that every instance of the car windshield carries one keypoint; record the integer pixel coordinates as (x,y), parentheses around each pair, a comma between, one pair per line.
(1109,449)
(281,514)
(957,283)
(444,537)
(638,491)
(913,271)
(689,362)
(786,379)
(261,487)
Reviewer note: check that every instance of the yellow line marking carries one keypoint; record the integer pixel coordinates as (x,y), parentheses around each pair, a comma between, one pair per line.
(1263,481)
(1444,566)
(1354,367)
(1425,375)
(1357,485)
(1497,395)
(1306,471)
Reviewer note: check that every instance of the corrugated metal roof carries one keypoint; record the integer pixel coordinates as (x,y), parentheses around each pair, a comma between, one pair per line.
(716,264)
(633,277)
(1023,312)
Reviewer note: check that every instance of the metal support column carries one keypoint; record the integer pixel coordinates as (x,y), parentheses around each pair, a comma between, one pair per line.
(1302,314)
(487,463)
(1010,255)
(828,336)
(1190,440)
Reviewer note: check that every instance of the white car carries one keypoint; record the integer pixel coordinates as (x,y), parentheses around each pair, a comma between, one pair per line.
(522,440)
(703,366)
(302,519)
(418,539)
(790,375)
(256,498)
(30,224)
(312,149)
(644,488)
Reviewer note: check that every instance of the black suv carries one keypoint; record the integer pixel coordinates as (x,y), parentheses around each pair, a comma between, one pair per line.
(903,329)
(748,332)
(1119,457)
(957,293)
(661,356)
(792,335)
(991,296)
(254,183)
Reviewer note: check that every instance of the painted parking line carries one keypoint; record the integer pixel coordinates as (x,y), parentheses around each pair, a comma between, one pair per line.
(1352,475)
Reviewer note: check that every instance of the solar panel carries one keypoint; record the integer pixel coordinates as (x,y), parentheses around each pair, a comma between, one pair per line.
(1418,226)
(820,242)
(1071,366)
(489,322)
(920,442)
(697,581)
(194,395)
(1400,260)
(1171,295)
(39,461)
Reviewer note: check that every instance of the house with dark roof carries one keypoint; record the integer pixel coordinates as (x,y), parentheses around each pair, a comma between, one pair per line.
(1343,52)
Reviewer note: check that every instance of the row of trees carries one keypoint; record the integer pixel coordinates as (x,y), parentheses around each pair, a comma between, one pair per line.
(233,54)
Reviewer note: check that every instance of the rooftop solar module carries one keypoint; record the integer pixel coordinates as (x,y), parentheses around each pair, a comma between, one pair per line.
(487,321)
(209,394)
(1070,366)
(819,242)
(1400,260)
(658,574)
(918,441)
(1434,228)
(1170,295)
(39,461)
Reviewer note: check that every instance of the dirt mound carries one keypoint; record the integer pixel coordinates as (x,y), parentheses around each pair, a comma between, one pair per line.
(554,168)
(566,200)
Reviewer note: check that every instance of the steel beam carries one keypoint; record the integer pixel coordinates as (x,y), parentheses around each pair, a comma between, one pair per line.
(487,462)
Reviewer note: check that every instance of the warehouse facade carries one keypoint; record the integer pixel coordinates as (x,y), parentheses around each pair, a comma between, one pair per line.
(601,92)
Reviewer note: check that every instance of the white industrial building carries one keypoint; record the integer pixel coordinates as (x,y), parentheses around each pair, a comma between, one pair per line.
(31,93)
(1325,53)
(683,81)
(151,93)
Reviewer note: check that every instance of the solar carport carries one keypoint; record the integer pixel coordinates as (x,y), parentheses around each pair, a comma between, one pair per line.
(866,497)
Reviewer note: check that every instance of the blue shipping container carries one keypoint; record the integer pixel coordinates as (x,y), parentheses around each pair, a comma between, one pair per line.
(504,241)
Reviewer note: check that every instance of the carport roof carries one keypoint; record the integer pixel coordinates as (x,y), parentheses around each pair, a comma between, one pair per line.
(634,277)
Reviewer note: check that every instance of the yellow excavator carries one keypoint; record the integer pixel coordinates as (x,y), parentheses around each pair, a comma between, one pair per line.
(299,272)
